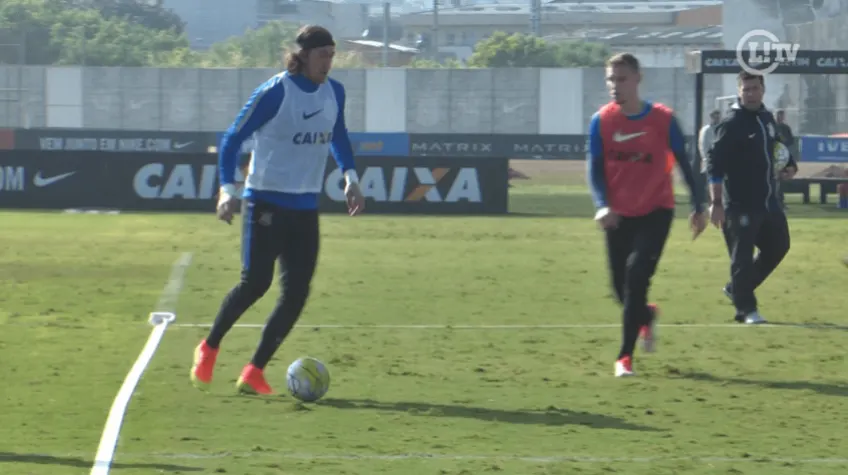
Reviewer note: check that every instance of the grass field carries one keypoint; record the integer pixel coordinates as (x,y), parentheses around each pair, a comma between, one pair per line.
(716,398)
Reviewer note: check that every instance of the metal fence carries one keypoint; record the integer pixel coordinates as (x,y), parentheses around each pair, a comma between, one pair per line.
(481,101)
(470,101)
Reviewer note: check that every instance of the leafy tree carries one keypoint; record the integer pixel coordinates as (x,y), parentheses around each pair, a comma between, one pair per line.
(85,37)
(141,12)
(28,23)
(526,51)
(513,51)
(580,54)
(349,60)
(261,48)
(62,32)
(425,63)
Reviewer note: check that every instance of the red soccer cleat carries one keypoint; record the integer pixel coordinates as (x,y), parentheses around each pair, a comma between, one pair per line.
(624,367)
(204,365)
(252,381)
(648,332)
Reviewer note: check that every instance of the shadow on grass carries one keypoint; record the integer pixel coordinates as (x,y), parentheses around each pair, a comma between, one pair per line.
(76,462)
(528,200)
(810,326)
(550,417)
(821,388)
(569,204)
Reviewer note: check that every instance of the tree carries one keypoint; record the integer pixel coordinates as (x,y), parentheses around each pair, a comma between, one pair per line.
(262,48)
(349,60)
(526,51)
(140,12)
(28,22)
(580,54)
(63,32)
(424,63)
(86,37)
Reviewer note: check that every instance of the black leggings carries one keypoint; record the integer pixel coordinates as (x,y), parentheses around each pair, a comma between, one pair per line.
(634,249)
(272,234)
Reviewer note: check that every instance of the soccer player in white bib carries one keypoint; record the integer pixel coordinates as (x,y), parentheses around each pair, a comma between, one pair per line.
(296,118)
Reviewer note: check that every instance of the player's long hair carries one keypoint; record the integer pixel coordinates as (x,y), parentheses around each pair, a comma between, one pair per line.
(308,37)
(295,62)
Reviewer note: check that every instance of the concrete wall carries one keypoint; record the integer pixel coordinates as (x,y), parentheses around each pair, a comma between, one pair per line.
(517,101)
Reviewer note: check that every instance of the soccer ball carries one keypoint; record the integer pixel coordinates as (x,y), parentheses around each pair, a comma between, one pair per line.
(781,157)
(308,379)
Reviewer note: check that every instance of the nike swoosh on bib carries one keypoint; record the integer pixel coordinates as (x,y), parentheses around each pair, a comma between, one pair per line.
(619,137)
(309,116)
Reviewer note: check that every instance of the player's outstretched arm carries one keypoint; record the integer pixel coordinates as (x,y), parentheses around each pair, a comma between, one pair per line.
(596,177)
(697,221)
(678,146)
(342,149)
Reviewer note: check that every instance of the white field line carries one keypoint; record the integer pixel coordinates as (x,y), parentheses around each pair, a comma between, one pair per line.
(162,316)
(520,327)
(503,457)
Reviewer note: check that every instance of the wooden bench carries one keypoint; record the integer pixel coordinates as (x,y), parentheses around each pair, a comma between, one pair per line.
(802,185)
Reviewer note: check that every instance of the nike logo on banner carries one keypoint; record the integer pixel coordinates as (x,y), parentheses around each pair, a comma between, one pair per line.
(41,182)
(309,116)
(180,145)
(619,137)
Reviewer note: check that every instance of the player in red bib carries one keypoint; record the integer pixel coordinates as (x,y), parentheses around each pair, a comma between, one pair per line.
(633,146)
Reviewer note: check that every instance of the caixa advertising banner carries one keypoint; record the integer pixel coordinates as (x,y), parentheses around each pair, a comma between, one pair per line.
(189,182)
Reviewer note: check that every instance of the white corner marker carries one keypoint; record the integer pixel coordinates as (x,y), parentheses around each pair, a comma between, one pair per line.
(160,319)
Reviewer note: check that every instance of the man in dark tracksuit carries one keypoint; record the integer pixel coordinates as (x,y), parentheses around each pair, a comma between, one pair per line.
(743,189)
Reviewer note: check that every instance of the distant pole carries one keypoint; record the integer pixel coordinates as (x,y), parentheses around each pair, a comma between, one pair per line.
(387,21)
(435,30)
(536,17)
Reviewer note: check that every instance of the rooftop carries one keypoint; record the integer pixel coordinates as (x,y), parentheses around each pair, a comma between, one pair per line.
(557,6)
(646,36)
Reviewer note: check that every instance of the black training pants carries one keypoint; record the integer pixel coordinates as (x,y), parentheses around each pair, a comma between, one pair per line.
(272,235)
(743,231)
(633,250)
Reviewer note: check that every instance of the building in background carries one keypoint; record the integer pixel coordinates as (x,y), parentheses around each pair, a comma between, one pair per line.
(815,104)
(371,52)
(461,27)
(656,47)
(211,21)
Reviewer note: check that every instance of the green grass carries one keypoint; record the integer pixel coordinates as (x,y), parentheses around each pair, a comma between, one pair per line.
(714,399)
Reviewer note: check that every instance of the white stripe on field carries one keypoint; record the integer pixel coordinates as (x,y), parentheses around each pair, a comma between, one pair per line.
(166,306)
(505,457)
(520,327)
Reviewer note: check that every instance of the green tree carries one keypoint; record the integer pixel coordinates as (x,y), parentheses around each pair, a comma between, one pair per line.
(62,32)
(27,24)
(141,12)
(425,63)
(513,51)
(349,60)
(526,51)
(261,48)
(580,54)
(86,37)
